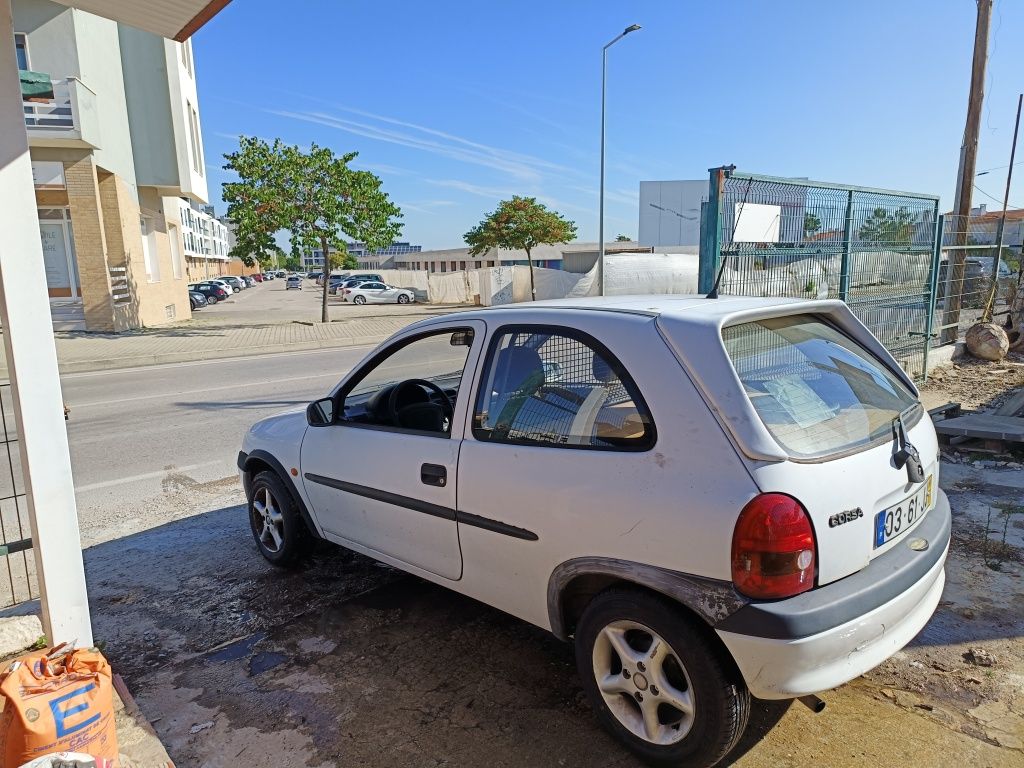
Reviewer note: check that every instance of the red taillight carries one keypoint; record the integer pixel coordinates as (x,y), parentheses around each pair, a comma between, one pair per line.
(773,551)
(347,291)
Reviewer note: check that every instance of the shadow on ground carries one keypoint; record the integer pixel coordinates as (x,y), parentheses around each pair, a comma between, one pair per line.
(350,654)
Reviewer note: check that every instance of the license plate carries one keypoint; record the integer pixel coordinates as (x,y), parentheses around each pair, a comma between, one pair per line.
(896,520)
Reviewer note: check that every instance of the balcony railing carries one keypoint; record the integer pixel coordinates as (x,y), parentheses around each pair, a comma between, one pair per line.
(68,119)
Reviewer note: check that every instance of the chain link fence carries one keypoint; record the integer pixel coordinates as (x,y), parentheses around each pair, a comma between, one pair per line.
(965,282)
(874,249)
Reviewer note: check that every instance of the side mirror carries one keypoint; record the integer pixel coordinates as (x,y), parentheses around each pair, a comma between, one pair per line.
(320,413)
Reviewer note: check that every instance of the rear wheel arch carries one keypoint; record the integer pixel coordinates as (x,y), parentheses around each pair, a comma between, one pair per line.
(575,583)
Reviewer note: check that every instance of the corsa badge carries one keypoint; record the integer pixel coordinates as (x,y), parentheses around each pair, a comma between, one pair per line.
(845,517)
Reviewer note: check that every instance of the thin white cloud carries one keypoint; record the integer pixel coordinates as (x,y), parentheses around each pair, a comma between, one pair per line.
(516,164)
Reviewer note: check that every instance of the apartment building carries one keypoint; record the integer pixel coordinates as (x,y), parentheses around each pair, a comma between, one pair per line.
(114,136)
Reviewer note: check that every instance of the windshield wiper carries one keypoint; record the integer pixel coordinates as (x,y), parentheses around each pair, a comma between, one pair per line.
(906,454)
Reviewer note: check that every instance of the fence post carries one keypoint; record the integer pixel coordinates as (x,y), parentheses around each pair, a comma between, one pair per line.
(711,231)
(844,263)
(933,287)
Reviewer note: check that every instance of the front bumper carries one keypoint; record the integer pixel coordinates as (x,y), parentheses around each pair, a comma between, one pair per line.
(779,659)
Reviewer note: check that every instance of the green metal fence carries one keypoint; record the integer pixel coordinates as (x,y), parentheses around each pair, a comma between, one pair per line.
(875,249)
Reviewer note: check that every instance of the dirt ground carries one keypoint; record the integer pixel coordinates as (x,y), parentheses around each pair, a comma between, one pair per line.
(347,662)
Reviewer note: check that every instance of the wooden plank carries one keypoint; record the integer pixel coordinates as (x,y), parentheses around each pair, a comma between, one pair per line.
(1012,407)
(985,426)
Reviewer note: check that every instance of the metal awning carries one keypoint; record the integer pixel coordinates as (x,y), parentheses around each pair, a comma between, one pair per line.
(174,19)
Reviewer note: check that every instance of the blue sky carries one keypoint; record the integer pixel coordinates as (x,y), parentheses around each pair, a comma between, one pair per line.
(458,105)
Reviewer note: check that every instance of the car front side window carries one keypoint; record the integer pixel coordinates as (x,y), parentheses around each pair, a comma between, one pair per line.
(559,387)
(412,385)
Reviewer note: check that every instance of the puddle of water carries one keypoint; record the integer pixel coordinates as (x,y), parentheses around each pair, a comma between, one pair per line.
(265,660)
(237,649)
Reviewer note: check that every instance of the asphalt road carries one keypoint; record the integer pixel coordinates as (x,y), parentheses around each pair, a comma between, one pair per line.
(135,432)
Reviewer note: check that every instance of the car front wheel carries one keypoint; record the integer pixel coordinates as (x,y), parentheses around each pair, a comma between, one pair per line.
(403,299)
(277,526)
(657,682)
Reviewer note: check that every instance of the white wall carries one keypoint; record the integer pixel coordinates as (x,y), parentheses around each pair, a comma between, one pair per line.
(670,212)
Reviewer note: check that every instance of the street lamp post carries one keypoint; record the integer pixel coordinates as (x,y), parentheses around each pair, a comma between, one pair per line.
(604,79)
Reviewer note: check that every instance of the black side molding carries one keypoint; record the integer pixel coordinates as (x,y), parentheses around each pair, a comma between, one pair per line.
(435,510)
(466,518)
(416,505)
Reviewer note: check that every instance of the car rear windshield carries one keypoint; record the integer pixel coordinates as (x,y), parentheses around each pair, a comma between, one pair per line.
(816,390)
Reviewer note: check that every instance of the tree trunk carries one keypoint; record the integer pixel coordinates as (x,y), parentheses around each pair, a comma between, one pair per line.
(533,286)
(327,281)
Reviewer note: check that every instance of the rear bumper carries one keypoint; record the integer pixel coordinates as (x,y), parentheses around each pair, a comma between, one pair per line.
(780,659)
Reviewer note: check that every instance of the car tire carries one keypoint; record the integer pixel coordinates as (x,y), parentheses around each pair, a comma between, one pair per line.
(359,300)
(403,299)
(650,638)
(211,299)
(280,533)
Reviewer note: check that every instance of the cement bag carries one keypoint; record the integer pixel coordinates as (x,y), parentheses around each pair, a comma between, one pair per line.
(60,700)
(69,760)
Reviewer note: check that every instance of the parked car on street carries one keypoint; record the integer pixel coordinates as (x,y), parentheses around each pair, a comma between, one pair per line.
(257,277)
(293,281)
(378,293)
(315,276)
(268,275)
(213,292)
(231,289)
(281,273)
(249,281)
(236,282)
(714,499)
(336,285)
(197,300)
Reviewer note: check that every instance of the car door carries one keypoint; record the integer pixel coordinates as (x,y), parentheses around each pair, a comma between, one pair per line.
(387,487)
(374,292)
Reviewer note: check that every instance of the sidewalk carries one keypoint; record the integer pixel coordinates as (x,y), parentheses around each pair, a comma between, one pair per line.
(79,351)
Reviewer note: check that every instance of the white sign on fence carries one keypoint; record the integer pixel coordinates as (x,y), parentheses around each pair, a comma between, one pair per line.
(756,223)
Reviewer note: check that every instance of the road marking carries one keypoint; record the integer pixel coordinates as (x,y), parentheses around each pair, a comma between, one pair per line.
(215,361)
(144,476)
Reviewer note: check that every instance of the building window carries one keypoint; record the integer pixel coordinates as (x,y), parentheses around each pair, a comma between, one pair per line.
(21,50)
(186,57)
(462,265)
(197,139)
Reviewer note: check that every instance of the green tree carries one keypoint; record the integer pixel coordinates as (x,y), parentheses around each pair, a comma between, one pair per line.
(889,229)
(811,224)
(254,202)
(291,263)
(520,224)
(314,195)
(620,238)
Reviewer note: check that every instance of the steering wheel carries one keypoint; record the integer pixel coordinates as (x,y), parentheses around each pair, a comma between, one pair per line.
(447,408)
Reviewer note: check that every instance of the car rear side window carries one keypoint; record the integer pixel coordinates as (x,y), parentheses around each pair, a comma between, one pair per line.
(559,387)
(816,390)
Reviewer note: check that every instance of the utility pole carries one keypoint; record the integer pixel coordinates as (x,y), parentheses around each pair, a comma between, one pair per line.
(994,288)
(966,173)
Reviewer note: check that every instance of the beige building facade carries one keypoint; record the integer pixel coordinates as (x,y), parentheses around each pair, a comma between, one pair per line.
(114,137)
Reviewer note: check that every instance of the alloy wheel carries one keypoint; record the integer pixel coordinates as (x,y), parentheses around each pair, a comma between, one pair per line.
(643,682)
(267,511)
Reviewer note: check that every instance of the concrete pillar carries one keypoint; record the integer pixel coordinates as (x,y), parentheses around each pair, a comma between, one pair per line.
(32,365)
(90,243)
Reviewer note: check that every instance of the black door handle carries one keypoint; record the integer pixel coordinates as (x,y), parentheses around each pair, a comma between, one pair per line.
(434,474)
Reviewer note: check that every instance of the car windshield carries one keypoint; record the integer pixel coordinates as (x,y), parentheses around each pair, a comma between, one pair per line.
(817,391)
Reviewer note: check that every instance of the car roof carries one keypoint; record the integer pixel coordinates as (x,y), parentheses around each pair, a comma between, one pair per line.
(693,308)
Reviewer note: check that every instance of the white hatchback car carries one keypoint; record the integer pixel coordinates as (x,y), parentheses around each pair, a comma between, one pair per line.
(714,497)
